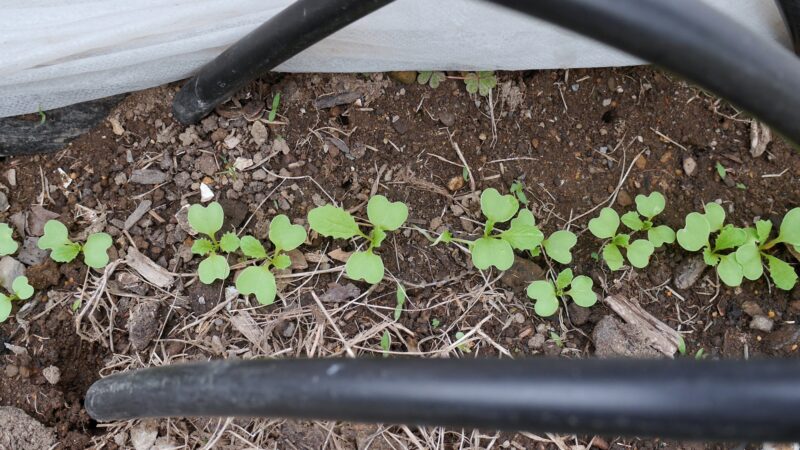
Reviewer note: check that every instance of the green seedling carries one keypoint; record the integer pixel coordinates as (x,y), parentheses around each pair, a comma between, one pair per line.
(465,346)
(386,343)
(7,243)
(62,249)
(42,116)
(435,322)
(208,220)
(605,226)
(259,280)
(546,293)
(518,189)
(721,170)
(273,113)
(431,78)
(401,301)
(383,215)
(21,291)
(480,82)
(557,339)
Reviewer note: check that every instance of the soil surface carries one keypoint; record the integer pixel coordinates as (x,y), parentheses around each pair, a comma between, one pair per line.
(574,139)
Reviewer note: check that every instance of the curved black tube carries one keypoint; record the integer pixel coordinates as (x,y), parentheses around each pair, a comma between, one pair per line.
(299,26)
(790,10)
(715,400)
(693,40)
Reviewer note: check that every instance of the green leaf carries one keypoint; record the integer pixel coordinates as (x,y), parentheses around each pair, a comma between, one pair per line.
(377,237)
(229,242)
(612,256)
(710,258)
(258,281)
(284,234)
(605,225)
(334,222)
(55,235)
(282,261)
(401,300)
(763,228)
(5,308)
(523,234)
(564,279)
(433,79)
(621,240)
(790,228)
(544,293)
(206,219)
(661,235)
(386,342)
(631,220)
(489,251)
(639,253)
(7,243)
(730,237)
(65,252)
(480,82)
(385,214)
(721,170)
(251,247)
(749,257)
(681,345)
(365,266)
(21,288)
(782,274)
(694,235)
(95,250)
(651,205)
(729,270)
(498,208)
(581,291)
(446,237)
(202,246)
(715,215)
(424,76)
(559,246)
(273,113)
(214,267)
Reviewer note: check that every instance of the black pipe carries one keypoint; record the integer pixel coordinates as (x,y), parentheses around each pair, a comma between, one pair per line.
(713,400)
(790,10)
(299,26)
(692,40)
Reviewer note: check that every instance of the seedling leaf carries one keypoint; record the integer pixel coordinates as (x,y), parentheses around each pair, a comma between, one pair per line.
(782,274)
(258,281)
(95,250)
(7,243)
(284,234)
(715,215)
(763,228)
(334,222)
(214,267)
(605,225)
(729,270)
(544,294)
(229,242)
(694,235)
(65,252)
(559,246)
(251,247)
(21,288)
(613,257)
(365,266)
(730,237)
(55,235)
(790,228)
(523,234)
(660,235)
(749,258)
(282,261)
(564,279)
(206,219)
(489,251)
(5,308)
(202,247)
(581,291)
(721,170)
(401,300)
(385,214)
(480,82)
(639,253)
(651,205)
(498,208)
(631,220)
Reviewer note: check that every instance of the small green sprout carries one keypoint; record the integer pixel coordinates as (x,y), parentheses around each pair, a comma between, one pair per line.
(56,239)
(42,116)
(546,293)
(557,339)
(464,347)
(21,291)
(273,113)
(518,189)
(331,221)
(480,82)
(7,243)
(681,345)
(259,280)
(721,171)
(431,78)
(401,300)
(465,173)
(208,220)
(435,322)
(386,343)
(605,226)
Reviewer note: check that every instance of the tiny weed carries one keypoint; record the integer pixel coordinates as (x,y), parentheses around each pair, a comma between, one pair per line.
(401,300)
(386,343)
(465,346)
(721,170)
(42,116)
(518,189)
(480,82)
(557,339)
(546,293)
(431,78)
(62,249)
(273,113)
(435,322)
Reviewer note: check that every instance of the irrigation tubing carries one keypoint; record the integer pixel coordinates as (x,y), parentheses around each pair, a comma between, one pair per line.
(297,27)
(790,10)
(685,399)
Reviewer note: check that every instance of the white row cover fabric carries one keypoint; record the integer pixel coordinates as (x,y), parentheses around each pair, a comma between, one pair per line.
(55,53)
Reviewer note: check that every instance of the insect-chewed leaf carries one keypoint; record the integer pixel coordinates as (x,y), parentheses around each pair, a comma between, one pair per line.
(790,228)
(715,215)
(639,253)
(763,228)
(365,266)
(214,267)
(523,234)
(613,257)
(489,251)
(333,222)
(581,291)
(564,279)
(258,281)
(251,247)
(206,219)
(559,246)
(55,235)
(21,288)
(660,235)
(282,261)
(7,243)
(544,293)
(229,242)
(729,270)
(749,258)
(385,214)
(5,308)
(730,237)
(605,225)
(694,235)
(651,205)
(95,250)
(498,208)
(284,234)
(782,274)
(631,220)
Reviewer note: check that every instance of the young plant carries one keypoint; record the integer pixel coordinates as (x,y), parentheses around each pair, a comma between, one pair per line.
(605,226)
(431,78)
(7,243)
(480,82)
(21,291)
(259,280)
(62,249)
(208,220)
(337,223)
(546,293)
(273,113)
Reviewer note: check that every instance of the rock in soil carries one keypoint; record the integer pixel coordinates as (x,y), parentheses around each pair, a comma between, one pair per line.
(44,275)
(30,254)
(689,271)
(752,308)
(578,314)
(10,269)
(142,324)
(148,176)
(521,274)
(784,338)
(689,166)
(762,323)
(52,374)
(37,218)
(613,338)
(20,431)
(405,77)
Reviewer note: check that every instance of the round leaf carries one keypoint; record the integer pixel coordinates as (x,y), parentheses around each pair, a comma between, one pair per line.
(333,222)
(258,281)
(523,234)
(55,235)
(631,220)
(651,205)
(694,235)
(581,291)
(544,294)
(749,258)
(605,225)
(7,243)
(365,266)
(613,257)
(95,250)
(214,267)
(639,253)
(385,214)
(498,208)
(21,288)
(790,228)
(559,246)
(206,219)
(229,242)
(251,247)
(286,235)
(660,235)
(715,215)
(5,308)
(782,274)
(729,270)
(490,251)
